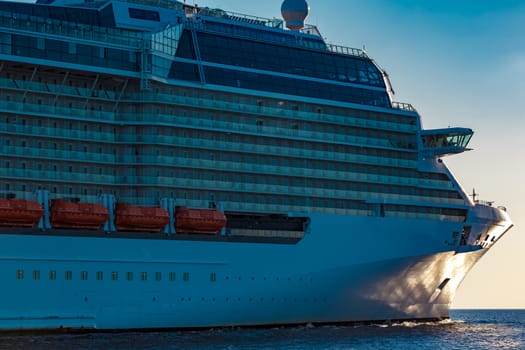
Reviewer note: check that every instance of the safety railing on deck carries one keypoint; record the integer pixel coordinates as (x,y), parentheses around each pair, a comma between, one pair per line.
(344,50)
(403,106)
(40,25)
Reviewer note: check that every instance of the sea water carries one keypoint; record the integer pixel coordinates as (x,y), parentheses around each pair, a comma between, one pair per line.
(467,329)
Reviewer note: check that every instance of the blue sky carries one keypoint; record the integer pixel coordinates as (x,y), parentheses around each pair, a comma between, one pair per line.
(460,63)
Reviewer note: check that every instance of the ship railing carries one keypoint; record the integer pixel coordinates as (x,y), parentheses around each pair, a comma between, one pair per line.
(288,132)
(281,150)
(484,203)
(56,89)
(241,17)
(168,4)
(38,153)
(286,111)
(39,26)
(311,29)
(347,51)
(293,40)
(403,106)
(42,131)
(57,110)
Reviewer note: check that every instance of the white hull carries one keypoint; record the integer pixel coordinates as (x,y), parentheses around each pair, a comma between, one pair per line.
(358,273)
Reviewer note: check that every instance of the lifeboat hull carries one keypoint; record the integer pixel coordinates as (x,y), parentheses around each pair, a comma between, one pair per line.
(140,219)
(78,215)
(202,221)
(19,213)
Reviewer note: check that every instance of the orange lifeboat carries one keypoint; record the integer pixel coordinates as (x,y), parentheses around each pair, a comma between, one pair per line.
(19,213)
(206,221)
(66,214)
(140,219)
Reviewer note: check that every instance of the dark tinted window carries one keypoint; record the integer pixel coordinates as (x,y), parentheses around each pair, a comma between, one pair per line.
(288,59)
(146,15)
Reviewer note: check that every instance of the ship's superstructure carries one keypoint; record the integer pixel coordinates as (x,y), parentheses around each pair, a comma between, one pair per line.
(279,142)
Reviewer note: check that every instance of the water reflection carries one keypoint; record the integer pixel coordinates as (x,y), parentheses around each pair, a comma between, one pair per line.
(485,332)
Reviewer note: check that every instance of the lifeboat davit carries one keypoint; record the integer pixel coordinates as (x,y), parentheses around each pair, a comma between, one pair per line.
(140,219)
(66,214)
(206,221)
(19,212)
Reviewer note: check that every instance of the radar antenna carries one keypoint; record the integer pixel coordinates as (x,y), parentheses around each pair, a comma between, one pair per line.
(474,195)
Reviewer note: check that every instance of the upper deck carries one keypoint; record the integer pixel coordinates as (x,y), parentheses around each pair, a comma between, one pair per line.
(172,41)
(203,107)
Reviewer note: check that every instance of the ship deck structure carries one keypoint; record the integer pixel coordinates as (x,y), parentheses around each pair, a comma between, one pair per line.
(171,166)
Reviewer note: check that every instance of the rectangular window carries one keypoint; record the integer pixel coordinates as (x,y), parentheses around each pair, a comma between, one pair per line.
(72,48)
(213,277)
(144,276)
(84,275)
(52,275)
(172,276)
(69,275)
(158,276)
(114,276)
(100,275)
(19,274)
(146,15)
(186,276)
(129,276)
(40,44)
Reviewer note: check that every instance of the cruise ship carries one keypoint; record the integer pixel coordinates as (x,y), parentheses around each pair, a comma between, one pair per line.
(166,165)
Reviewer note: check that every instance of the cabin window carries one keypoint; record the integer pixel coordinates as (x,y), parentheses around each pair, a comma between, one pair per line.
(172,276)
(69,275)
(20,274)
(100,275)
(186,276)
(52,275)
(114,276)
(84,275)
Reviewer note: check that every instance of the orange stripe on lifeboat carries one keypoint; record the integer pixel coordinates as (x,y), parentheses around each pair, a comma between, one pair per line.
(19,212)
(65,214)
(140,219)
(205,221)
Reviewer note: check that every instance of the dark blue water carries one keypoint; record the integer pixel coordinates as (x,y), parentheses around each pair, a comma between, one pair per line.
(472,329)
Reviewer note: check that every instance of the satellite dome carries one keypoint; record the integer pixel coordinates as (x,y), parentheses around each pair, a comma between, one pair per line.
(294,13)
